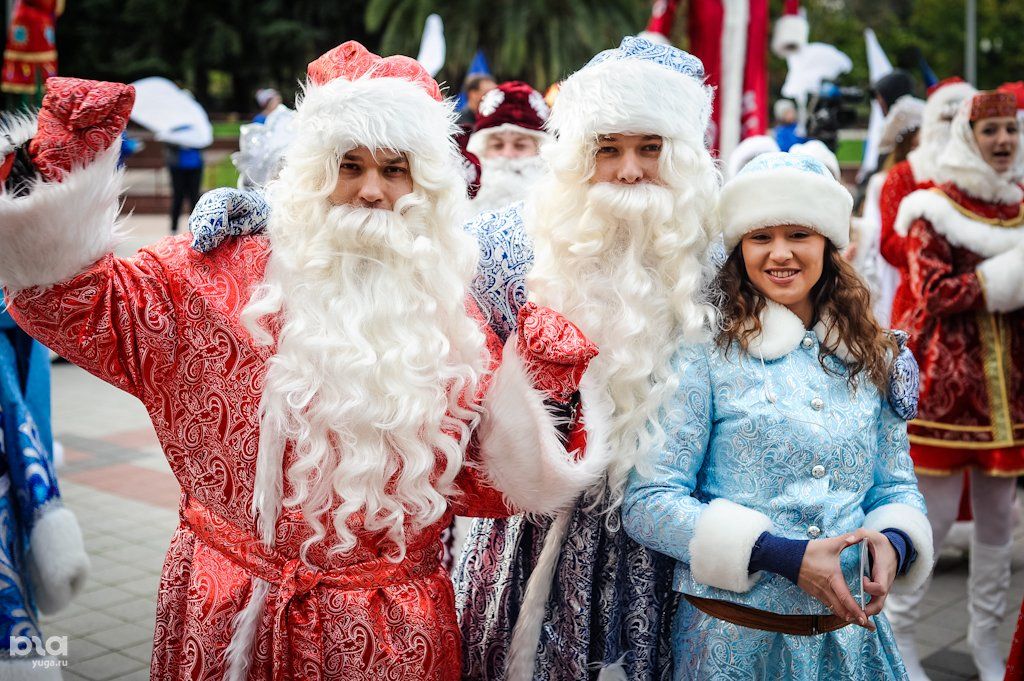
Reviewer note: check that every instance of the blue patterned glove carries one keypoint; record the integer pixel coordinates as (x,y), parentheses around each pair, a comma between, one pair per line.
(904,380)
(226,212)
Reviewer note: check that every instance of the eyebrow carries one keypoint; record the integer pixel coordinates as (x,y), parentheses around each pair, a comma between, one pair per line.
(394,159)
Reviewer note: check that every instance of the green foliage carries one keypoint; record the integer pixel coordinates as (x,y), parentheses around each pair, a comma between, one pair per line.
(540,41)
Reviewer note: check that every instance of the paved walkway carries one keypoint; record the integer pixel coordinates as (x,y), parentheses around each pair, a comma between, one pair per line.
(116,480)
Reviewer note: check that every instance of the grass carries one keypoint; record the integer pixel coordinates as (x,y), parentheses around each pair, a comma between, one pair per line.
(227,128)
(850,151)
(222,174)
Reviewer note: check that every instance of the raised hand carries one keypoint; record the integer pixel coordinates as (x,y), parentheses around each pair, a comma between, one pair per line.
(79,119)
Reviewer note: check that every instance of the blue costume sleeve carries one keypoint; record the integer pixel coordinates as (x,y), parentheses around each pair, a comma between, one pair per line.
(506,256)
(659,511)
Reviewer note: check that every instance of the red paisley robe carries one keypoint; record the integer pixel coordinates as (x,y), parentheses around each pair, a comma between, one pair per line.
(899,183)
(972,361)
(164,326)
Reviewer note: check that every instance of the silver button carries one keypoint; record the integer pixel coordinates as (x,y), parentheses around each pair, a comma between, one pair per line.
(817,404)
(807,343)
(818,471)
(813,531)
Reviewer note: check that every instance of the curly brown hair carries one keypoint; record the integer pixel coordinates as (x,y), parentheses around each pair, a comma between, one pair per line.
(839,296)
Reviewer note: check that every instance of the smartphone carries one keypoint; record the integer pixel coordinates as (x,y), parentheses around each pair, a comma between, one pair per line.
(864,569)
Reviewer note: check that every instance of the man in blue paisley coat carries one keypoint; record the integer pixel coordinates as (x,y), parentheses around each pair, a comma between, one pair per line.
(616,237)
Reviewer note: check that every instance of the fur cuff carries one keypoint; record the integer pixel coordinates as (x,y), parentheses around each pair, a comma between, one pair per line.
(520,448)
(60,228)
(59,564)
(31,668)
(1002,279)
(790,35)
(914,523)
(723,538)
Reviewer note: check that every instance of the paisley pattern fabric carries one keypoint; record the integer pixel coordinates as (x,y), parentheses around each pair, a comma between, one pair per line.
(28,482)
(633,47)
(797,444)
(904,380)
(225,212)
(555,351)
(972,375)
(164,326)
(899,184)
(79,119)
(612,598)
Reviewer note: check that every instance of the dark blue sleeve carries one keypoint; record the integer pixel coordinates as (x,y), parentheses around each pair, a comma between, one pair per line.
(905,552)
(779,555)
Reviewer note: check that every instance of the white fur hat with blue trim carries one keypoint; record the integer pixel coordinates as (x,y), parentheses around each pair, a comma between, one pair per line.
(785,189)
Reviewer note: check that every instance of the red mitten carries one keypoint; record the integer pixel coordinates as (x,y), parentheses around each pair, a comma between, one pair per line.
(5,167)
(79,119)
(554,350)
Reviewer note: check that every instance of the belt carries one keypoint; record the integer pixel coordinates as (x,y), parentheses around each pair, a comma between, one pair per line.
(294,608)
(752,618)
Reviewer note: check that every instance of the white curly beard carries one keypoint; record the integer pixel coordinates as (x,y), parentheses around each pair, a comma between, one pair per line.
(375,347)
(506,180)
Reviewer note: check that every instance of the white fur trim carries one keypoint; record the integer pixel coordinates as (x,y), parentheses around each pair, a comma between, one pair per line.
(616,671)
(478,140)
(939,109)
(60,228)
(1002,278)
(522,652)
(20,128)
(723,538)
(21,669)
(747,150)
(986,240)
(59,564)
(789,35)
(784,196)
(781,332)
(238,654)
(906,114)
(824,330)
(520,448)
(378,113)
(907,519)
(630,96)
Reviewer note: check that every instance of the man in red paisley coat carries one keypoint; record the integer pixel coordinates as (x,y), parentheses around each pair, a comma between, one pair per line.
(327,395)
(963,305)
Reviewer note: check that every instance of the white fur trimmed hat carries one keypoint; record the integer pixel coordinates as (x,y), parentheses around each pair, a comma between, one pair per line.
(355,98)
(785,189)
(639,87)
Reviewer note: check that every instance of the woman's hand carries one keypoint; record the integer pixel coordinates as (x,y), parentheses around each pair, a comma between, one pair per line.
(883,570)
(821,576)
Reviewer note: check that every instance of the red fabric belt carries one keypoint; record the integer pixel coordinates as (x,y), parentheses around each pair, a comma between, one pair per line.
(295,610)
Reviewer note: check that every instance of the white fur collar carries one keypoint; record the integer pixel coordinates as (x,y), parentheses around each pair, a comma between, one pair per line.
(782,331)
(958,229)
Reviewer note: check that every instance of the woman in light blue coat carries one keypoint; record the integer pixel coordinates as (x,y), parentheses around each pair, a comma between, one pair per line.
(787,452)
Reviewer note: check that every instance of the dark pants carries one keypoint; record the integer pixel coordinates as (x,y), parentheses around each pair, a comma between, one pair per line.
(185,183)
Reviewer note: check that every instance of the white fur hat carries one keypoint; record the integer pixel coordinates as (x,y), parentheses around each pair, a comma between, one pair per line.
(355,98)
(816,149)
(905,115)
(747,150)
(785,189)
(640,87)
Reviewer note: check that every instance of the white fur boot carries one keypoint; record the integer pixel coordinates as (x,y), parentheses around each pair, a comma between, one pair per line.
(987,584)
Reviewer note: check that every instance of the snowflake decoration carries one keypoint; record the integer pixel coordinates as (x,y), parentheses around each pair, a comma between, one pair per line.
(538,104)
(491,101)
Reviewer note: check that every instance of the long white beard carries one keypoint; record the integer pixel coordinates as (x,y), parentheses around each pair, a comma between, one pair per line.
(625,265)
(507,180)
(374,350)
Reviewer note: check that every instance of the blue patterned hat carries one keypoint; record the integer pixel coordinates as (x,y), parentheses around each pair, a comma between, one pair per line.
(639,87)
(785,189)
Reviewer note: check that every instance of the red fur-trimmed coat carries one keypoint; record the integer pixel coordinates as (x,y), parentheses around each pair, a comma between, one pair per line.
(961,303)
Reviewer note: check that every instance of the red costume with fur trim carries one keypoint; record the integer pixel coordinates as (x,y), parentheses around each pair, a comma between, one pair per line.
(972,359)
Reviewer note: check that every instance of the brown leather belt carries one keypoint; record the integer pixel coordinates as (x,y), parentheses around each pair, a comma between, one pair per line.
(752,618)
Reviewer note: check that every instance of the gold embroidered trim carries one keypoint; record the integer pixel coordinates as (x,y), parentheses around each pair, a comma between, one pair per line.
(1016,221)
(950,426)
(959,444)
(31,57)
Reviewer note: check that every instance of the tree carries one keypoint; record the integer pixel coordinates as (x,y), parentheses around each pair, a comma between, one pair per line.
(539,41)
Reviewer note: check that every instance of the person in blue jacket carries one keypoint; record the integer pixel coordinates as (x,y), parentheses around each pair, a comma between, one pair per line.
(787,452)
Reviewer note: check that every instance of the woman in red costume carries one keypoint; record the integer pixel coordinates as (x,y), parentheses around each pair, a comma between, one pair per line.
(962,305)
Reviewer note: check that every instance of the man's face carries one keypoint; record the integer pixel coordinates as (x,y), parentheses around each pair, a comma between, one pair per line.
(508,144)
(474,96)
(372,179)
(627,159)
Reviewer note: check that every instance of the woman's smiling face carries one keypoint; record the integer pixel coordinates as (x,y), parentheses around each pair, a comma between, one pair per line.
(784,263)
